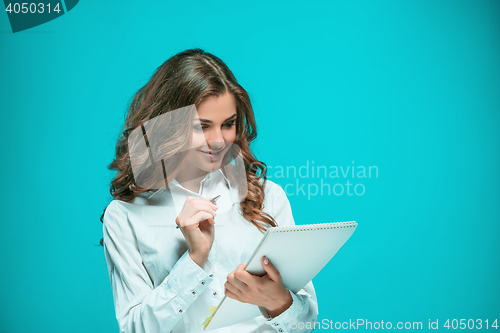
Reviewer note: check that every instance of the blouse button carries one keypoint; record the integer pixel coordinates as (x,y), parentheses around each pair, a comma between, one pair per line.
(280,330)
(202,282)
(211,275)
(214,294)
(275,324)
(180,310)
(193,292)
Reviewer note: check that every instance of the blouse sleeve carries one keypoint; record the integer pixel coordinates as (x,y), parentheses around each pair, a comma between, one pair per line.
(140,307)
(304,308)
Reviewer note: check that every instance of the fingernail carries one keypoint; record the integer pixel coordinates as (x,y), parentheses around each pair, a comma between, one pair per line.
(266,261)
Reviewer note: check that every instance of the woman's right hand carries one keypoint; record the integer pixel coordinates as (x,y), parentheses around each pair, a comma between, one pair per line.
(197,226)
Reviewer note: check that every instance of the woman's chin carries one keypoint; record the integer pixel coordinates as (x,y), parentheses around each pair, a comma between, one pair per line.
(209,166)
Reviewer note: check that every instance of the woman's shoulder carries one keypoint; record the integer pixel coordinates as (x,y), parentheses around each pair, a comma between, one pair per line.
(115,208)
(277,204)
(142,199)
(273,192)
(271,187)
(120,210)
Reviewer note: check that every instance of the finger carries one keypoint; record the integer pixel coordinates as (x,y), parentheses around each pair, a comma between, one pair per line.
(207,223)
(245,277)
(236,282)
(207,226)
(193,205)
(231,295)
(203,216)
(234,289)
(196,219)
(271,271)
(194,208)
(204,205)
(207,201)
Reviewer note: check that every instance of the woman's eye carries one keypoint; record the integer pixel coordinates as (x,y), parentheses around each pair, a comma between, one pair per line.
(199,127)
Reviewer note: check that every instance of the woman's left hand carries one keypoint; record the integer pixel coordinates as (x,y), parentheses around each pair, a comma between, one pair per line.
(267,291)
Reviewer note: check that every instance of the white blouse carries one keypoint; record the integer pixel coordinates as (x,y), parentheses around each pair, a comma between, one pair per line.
(156,285)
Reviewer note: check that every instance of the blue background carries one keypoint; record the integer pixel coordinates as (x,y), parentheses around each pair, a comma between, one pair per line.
(411,87)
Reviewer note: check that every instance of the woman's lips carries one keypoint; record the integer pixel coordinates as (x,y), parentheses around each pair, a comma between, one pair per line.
(212,154)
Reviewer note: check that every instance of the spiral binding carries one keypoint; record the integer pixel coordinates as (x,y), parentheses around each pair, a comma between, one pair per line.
(318,226)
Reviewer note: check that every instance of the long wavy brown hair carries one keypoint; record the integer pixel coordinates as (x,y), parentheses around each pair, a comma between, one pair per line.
(186,79)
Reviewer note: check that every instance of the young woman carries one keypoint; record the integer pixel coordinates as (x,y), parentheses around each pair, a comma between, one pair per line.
(172,253)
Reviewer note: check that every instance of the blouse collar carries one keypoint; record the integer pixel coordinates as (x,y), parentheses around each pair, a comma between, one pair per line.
(212,174)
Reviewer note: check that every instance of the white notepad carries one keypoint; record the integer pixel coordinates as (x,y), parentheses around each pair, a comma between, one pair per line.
(298,253)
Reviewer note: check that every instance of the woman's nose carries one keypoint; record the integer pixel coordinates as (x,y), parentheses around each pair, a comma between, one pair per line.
(215,139)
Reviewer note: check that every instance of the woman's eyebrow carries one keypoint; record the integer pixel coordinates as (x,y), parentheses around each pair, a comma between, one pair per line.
(209,121)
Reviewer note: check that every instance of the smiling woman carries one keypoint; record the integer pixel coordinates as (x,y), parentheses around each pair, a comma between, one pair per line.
(187,130)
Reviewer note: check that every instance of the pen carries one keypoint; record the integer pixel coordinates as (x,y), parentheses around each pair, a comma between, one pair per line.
(213,200)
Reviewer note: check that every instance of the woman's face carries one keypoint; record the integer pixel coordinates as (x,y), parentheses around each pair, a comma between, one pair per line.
(214,130)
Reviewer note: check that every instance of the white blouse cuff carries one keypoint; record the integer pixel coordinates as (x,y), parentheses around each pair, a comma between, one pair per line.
(188,279)
(281,323)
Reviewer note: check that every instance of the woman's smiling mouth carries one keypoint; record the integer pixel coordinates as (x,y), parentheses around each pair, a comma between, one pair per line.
(212,154)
